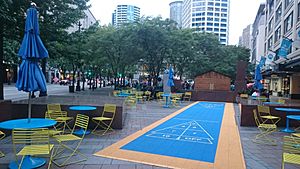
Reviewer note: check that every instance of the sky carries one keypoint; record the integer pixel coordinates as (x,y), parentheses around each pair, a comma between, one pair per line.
(242,12)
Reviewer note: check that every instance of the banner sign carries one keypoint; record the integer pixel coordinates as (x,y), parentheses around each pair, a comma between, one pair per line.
(284,48)
(262,61)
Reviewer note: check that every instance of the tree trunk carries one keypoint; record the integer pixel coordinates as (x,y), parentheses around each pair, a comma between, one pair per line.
(1,61)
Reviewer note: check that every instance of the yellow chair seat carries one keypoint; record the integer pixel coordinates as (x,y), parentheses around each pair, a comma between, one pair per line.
(291,158)
(270,117)
(269,126)
(296,134)
(102,118)
(36,150)
(64,118)
(66,137)
(51,132)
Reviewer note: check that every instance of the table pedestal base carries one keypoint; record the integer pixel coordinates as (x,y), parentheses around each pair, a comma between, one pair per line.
(28,163)
(81,132)
(287,130)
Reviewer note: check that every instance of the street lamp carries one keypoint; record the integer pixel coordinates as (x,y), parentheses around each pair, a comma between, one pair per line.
(78,69)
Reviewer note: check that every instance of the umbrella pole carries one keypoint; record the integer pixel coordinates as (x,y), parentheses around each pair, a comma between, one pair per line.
(29,107)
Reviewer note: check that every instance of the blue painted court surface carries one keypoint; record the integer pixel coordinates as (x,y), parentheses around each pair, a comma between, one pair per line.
(192,134)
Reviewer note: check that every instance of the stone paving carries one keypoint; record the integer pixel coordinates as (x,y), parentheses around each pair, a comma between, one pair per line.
(256,156)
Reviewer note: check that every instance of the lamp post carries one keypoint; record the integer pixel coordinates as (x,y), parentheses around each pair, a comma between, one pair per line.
(78,68)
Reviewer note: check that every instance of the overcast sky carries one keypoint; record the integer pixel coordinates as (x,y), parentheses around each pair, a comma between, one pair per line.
(242,12)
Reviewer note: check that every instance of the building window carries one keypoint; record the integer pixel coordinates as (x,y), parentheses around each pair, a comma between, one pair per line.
(223,25)
(278,13)
(217,4)
(224,5)
(223,20)
(270,42)
(298,15)
(223,15)
(210,14)
(210,19)
(277,34)
(270,25)
(287,3)
(224,10)
(271,6)
(288,23)
(209,24)
(216,29)
(217,14)
(209,29)
(216,24)
(217,19)
(210,4)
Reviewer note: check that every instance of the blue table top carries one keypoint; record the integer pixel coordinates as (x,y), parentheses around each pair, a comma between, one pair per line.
(123,95)
(166,95)
(288,109)
(23,123)
(294,117)
(82,108)
(272,103)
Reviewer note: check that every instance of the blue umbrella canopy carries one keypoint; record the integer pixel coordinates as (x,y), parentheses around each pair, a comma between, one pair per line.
(170,80)
(258,78)
(30,76)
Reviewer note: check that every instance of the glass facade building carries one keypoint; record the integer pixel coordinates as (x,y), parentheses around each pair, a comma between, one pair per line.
(207,16)
(125,14)
(176,12)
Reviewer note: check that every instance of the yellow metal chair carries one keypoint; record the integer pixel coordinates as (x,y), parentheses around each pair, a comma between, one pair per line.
(187,96)
(131,101)
(105,120)
(291,150)
(2,135)
(265,131)
(82,122)
(265,114)
(175,99)
(54,112)
(147,96)
(244,96)
(281,101)
(33,144)
(139,97)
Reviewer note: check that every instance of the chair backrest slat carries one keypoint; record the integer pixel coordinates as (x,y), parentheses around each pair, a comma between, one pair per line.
(53,107)
(291,144)
(257,122)
(81,121)
(109,108)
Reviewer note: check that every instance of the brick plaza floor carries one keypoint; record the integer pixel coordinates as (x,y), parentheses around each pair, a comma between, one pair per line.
(256,156)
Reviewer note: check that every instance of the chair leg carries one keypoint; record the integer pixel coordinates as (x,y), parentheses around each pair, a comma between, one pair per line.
(20,165)
(68,157)
(105,127)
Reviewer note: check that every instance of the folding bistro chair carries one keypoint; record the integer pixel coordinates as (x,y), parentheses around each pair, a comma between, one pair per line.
(265,114)
(2,135)
(265,131)
(291,150)
(187,96)
(105,120)
(81,121)
(54,112)
(33,144)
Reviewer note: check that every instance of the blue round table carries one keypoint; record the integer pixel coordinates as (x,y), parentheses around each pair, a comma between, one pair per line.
(28,162)
(287,111)
(82,108)
(272,103)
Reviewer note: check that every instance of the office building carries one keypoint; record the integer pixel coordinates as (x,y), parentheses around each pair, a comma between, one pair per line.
(125,14)
(246,37)
(176,12)
(207,16)
(282,21)
(258,35)
(85,22)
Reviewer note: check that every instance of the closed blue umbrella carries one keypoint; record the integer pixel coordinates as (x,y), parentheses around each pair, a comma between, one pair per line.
(30,76)
(258,78)
(170,80)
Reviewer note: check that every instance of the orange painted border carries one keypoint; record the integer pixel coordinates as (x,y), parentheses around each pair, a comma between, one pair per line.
(228,156)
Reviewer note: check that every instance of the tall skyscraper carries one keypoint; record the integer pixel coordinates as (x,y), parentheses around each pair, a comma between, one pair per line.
(209,16)
(246,37)
(176,12)
(125,14)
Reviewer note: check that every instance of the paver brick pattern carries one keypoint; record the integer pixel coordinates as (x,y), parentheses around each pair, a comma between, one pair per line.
(257,156)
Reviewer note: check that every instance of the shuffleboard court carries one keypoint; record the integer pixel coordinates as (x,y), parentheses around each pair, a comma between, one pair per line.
(180,136)
(192,134)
